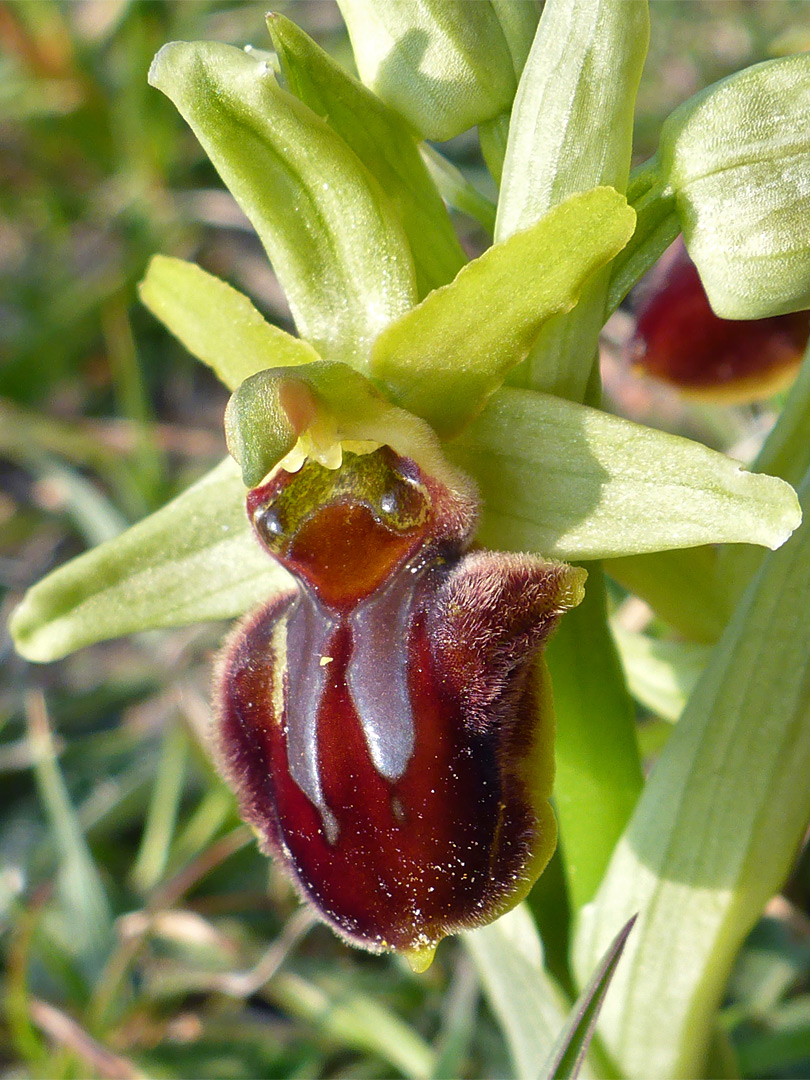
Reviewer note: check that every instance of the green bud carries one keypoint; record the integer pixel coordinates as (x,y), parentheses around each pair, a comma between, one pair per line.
(445,65)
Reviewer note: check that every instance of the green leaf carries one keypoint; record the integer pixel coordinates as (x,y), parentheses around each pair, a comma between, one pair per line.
(716,830)
(445,357)
(576,483)
(317,209)
(597,755)
(193,560)
(216,323)
(568,1054)
(527,1003)
(445,65)
(571,130)
(737,157)
(161,817)
(325,404)
(661,673)
(382,141)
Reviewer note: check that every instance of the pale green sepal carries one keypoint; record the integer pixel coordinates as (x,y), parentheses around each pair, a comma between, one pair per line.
(576,483)
(445,357)
(382,141)
(526,1001)
(332,234)
(518,25)
(715,832)
(572,120)
(445,65)
(571,130)
(318,408)
(217,323)
(737,157)
(192,561)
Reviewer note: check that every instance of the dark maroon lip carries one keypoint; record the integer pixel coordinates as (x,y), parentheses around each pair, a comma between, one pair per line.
(381,723)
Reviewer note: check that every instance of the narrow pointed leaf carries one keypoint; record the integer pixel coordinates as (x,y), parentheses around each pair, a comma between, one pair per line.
(193,560)
(382,141)
(317,209)
(527,1003)
(444,358)
(737,157)
(217,323)
(445,65)
(716,830)
(577,483)
(568,1054)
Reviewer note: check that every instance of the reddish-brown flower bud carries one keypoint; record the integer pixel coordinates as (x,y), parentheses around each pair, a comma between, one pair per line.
(679,339)
(384,724)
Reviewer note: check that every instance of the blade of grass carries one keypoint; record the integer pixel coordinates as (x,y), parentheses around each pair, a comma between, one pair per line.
(568,1053)
(79,883)
(353,1019)
(161,817)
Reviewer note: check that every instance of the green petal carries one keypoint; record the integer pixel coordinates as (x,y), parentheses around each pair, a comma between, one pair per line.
(737,157)
(576,483)
(445,65)
(444,358)
(193,560)
(317,209)
(216,323)
(715,832)
(382,141)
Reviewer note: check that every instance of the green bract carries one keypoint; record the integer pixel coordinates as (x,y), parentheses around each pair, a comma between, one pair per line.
(737,158)
(445,65)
